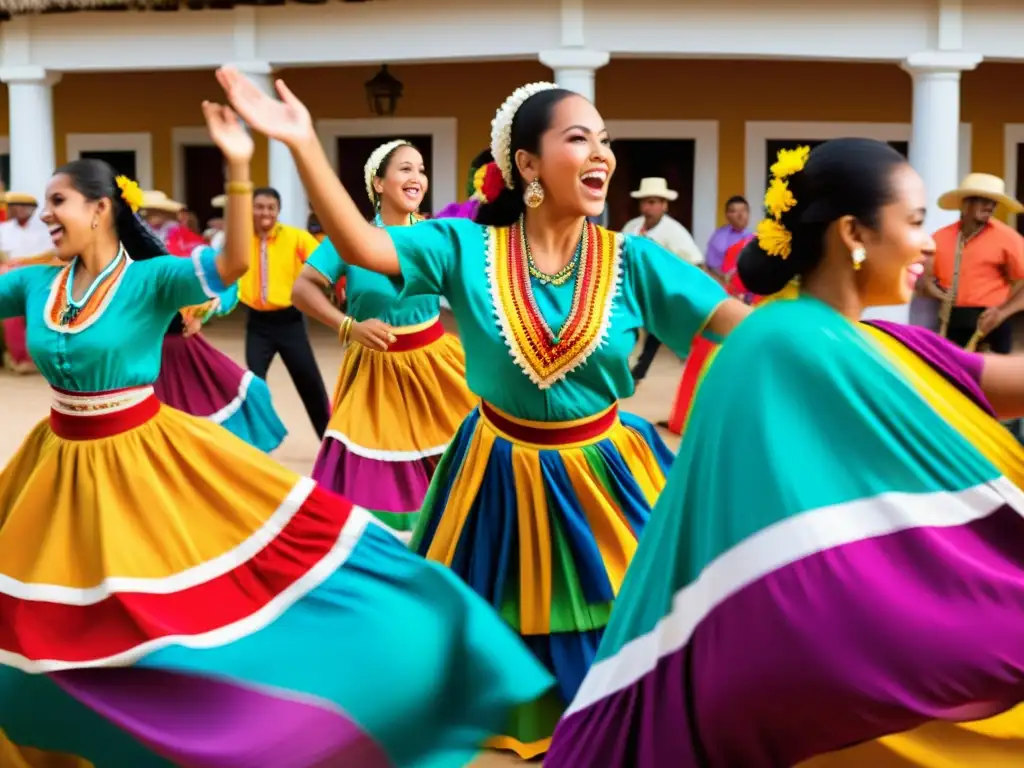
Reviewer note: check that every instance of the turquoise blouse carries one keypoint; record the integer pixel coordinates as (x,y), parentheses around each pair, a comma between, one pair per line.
(371,295)
(655,290)
(120,345)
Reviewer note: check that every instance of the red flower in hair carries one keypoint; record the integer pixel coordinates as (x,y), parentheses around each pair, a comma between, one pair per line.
(493,183)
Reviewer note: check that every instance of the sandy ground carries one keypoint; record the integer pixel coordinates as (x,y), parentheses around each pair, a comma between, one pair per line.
(24,401)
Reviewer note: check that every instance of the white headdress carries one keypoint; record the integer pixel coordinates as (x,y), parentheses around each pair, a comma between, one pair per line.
(373,164)
(501,128)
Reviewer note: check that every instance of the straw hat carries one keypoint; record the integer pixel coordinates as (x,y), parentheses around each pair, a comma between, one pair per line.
(980,185)
(154,200)
(20,198)
(654,187)
(219,201)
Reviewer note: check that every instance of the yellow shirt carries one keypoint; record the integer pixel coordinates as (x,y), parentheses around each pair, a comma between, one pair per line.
(274,267)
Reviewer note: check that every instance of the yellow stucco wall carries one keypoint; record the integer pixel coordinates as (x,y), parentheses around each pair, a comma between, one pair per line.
(731,92)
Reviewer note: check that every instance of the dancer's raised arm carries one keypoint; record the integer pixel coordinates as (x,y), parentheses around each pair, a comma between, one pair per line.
(288,121)
(237,147)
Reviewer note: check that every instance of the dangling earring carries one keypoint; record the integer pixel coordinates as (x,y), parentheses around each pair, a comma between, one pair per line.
(858,256)
(534,194)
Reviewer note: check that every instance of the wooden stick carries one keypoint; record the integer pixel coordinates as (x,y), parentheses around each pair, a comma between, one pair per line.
(972,345)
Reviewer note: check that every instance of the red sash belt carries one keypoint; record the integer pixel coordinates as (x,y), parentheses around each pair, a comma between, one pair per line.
(553,433)
(405,342)
(94,415)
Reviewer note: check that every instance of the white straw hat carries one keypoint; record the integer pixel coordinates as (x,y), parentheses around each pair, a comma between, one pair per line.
(154,200)
(983,185)
(654,187)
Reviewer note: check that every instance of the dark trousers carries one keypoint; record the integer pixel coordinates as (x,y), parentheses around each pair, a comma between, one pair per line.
(963,322)
(283,332)
(647,355)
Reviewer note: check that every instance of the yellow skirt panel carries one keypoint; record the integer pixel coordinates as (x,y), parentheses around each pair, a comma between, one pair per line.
(73,513)
(401,401)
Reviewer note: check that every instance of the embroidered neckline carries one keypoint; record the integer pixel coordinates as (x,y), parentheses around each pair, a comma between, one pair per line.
(65,314)
(543,356)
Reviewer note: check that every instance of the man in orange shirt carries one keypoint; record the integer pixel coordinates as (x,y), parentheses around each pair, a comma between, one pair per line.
(274,327)
(978,264)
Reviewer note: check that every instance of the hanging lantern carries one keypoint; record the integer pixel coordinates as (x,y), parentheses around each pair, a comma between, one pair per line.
(383,92)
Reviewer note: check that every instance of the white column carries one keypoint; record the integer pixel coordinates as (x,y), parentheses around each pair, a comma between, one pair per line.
(575,68)
(30,103)
(934,150)
(284,176)
(935,132)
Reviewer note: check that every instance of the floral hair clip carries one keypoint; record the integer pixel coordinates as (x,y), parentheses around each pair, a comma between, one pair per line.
(772,235)
(501,127)
(487,183)
(130,193)
(373,164)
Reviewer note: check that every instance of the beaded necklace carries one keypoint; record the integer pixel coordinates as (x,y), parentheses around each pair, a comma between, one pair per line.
(379,222)
(72,308)
(561,276)
(556,279)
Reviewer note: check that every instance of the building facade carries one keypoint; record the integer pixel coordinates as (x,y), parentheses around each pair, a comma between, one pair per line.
(702,93)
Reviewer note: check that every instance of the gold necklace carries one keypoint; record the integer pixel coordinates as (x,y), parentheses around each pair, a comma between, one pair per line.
(560,277)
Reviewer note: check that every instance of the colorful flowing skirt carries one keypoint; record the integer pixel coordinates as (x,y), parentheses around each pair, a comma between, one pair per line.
(197,378)
(844,591)
(393,416)
(542,519)
(170,595)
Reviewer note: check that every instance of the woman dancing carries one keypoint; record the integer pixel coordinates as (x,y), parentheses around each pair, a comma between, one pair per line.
(169,595)
(197,378)
(401,392)
(853,574)
(542,494)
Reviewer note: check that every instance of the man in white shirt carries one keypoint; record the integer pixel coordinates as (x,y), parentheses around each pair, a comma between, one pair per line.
(24,239)
(23,235)
(655,223)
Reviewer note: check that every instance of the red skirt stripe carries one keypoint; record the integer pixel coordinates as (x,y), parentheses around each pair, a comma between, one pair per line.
(552,435)
(99,425)
(406,342)
(75,633)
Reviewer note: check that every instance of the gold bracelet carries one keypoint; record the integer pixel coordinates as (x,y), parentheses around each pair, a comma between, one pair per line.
(348,329)
(238,187)
(344,329)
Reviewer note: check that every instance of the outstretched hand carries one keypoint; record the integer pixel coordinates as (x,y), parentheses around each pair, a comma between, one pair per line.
(227,133)
(287,120)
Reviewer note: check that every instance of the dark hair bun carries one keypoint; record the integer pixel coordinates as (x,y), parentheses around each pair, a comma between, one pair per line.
(761,273)
(842,177)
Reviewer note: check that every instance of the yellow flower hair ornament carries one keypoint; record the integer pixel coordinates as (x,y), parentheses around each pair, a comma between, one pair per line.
(772,235)
(774,238)
(130,193)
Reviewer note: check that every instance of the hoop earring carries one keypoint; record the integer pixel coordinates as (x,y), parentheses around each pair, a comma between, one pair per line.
(534,194)
(857,257)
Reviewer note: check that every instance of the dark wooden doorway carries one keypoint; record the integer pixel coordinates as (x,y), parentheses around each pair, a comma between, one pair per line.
(354,151)
(123,161)
(637,159)
(204,180)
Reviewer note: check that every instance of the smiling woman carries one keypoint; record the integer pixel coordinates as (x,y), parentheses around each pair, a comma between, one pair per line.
(401,391)
(541,496)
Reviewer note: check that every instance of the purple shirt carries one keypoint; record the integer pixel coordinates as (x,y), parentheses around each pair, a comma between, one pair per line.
(721,241)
